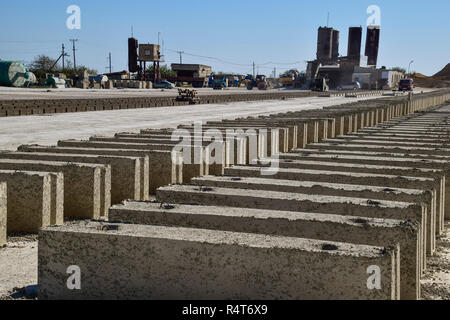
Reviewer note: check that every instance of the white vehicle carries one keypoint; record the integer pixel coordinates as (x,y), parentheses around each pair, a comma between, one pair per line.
(353,86)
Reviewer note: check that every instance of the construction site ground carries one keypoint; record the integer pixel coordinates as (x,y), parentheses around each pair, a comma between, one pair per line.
(48,129)
(18,261)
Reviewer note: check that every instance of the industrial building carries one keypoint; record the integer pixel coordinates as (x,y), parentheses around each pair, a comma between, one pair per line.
(195,74)
(342,70)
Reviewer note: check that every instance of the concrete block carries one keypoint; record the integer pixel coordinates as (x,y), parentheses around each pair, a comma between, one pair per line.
(332,189)
(164,166)
(126,172)
(437,174)
(3,213)
(288,129)
(236,146)
(193,165)
(377,232)
(385,149)
(259,140)
(28,200)
(185,263)
(352,178)
(215,158)
(87,187)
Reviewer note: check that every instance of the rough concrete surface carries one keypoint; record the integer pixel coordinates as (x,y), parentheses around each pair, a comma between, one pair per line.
(3,212)
(340,228)
(206,264)
(48,129)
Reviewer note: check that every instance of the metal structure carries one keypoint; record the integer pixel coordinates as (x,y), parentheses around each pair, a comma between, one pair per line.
(149,53)
(335,45)
(324,43)
(372,44)
(141,54)
(133,55)
(354,43)
(13,74)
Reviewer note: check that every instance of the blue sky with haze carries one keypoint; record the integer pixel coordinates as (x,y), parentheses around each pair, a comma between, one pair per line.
(279,34)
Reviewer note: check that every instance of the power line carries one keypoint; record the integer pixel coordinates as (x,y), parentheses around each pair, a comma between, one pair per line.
(212,58)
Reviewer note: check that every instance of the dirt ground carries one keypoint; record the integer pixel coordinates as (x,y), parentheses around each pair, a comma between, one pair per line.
(436,283)
(18,268)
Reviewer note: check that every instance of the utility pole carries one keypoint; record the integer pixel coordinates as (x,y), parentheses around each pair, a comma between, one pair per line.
(63,55)
(181,57)
(254,70)
(110,63)
(74,50)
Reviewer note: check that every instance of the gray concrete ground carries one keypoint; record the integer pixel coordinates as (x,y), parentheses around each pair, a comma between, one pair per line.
(48,129)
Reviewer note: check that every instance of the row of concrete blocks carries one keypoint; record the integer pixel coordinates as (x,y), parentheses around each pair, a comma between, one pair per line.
(82,201)
(45,106)
(197,275)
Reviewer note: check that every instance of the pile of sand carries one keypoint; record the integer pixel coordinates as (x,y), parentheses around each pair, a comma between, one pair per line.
(439,80)
(444,73)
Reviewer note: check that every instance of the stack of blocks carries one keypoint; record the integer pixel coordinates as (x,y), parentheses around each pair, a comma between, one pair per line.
(352,210)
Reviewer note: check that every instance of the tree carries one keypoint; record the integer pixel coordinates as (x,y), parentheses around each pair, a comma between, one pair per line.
(41,65)
(166,72)
(399,69)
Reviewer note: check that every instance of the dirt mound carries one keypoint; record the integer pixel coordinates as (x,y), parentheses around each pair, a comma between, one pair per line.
(444,72)
(439,80)
(419,76)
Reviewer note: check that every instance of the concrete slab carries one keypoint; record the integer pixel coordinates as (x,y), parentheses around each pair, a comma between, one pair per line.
(259,199)
(87,187)
(288,130)
(331,189)
(387,181)
(384,149)
(184,263)
(377,232)
(259,140)
(126,172)
(438,174)
(388,142)
(28,200)
(236,145)
(215,158)
(190,167)
(3,212)
(164,168)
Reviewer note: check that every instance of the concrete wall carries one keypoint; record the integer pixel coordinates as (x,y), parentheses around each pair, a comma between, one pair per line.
(126,172)
(3,212)
(189,170)
(46,106)
(163,169)
(186,264)
(29,200)
(87,187)
(377,232)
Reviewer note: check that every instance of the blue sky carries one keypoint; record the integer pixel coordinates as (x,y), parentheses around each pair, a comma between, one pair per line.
(279,34)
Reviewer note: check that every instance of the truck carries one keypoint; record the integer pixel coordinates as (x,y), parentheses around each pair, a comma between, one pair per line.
(260,82)
(406,85)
